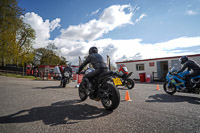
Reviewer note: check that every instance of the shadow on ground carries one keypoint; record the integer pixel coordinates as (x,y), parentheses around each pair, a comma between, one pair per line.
(63,112)
(173,98)
(49,87)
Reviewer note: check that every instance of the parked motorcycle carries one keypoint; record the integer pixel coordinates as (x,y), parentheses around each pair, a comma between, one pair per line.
(66,78)
(102,88)
(124,77)
(176,81)
(126,81)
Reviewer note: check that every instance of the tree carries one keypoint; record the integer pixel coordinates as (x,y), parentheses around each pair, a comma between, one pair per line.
(16,37)
(49,56)
(22,50)
(9,15)
(63,61)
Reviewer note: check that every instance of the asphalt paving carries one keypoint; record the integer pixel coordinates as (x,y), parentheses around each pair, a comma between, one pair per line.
(41,106)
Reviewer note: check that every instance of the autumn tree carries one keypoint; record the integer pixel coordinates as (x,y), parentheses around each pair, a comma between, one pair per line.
(16,37)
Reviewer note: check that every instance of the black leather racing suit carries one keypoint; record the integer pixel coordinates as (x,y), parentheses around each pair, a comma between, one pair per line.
(97,62)
(191,65)
(66,69)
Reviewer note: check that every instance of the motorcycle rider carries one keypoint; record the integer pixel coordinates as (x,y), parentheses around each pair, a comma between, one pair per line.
(97,62)
(123,71)
(191,65)
(66,69)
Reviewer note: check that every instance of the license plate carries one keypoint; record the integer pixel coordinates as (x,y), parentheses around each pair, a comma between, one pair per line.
(117,81)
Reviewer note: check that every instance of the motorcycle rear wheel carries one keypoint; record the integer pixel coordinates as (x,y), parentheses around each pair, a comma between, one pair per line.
(111,97)
(169,89)
(82,92)
(130,83)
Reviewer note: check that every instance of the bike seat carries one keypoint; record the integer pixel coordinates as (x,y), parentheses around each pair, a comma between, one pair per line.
(104,74)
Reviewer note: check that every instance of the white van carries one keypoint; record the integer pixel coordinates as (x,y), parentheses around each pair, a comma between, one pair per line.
(57,73)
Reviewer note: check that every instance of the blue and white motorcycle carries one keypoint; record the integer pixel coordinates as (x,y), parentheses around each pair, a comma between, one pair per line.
(176,82)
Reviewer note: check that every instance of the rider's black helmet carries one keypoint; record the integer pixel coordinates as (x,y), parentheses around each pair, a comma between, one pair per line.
(183,59)
(93,50)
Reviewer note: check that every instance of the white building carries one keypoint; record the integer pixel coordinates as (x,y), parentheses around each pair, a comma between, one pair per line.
(157,67)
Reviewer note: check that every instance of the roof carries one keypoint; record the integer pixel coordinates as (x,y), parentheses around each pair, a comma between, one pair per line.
(156,59)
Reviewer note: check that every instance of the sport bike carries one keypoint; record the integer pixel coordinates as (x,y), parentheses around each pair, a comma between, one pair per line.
(176,82)
(66,78)
(126,81)
(101,88)
(123,75)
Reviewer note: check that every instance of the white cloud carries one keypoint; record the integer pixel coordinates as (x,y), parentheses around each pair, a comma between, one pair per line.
(141,17)
(95,12)
(134,49)
(111,18)
(191,12)
(41,27)
(55,24)
(77,39)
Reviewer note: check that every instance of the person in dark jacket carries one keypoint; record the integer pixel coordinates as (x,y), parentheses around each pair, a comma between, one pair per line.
(97,62)
(191,65)
(66,69)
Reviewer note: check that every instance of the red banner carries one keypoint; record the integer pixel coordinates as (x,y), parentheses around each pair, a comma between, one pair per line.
(80,77)
(74,76)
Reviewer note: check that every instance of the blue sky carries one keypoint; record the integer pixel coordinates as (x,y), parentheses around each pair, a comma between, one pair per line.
(123,29)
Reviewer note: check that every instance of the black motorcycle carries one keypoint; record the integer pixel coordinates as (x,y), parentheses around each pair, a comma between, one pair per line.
(66,78)
(126,81)
(101,88)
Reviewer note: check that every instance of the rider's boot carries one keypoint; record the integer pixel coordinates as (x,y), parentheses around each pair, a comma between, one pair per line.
(183,89)
(194,86)
(187,88)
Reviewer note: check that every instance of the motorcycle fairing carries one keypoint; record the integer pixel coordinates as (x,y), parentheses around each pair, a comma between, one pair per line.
(128,75)
(172,79)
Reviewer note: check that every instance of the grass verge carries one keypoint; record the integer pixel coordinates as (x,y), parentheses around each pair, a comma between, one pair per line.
(18,76)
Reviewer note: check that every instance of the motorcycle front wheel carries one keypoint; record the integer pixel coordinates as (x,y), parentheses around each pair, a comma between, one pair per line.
(169,88)
(65,81)
(82,92)
(111,97)
(130,83)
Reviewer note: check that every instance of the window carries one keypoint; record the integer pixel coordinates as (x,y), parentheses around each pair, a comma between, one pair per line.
(140,67)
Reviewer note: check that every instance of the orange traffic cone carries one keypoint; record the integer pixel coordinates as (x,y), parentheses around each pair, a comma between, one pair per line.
(157,88)
(127,97)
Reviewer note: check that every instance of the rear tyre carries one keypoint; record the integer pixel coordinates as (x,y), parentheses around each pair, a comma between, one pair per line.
(169,88)
(111,97)
(82,92)
(130,83)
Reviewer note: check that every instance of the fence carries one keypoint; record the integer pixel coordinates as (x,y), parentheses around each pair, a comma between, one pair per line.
(41,75)
(6,72)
